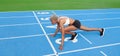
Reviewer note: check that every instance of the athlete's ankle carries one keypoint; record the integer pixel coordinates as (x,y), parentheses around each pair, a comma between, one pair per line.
(73,33)
(100,30)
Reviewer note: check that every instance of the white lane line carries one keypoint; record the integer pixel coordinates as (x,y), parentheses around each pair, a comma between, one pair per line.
(103,53)
(27,36)
(53,12)
(6,38)
(67,14)
(91,20)
(53,48)
(18,24)
(49,22)
(85,49)
(93,9)
(92,13)
(85,38)
(112,27)
(17,17)
(101,19)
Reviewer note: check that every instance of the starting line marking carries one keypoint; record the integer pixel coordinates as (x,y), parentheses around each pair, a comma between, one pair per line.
(85,49)
(58,41)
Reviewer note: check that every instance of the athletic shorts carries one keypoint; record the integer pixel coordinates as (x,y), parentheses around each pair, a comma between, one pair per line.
(77,24)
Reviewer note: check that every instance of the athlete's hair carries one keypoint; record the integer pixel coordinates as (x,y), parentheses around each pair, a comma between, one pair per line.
(53,17)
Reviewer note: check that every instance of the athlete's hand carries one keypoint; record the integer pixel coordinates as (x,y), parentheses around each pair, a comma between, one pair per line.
(61,47)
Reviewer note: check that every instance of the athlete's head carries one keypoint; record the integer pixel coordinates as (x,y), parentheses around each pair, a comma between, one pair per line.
(54,19)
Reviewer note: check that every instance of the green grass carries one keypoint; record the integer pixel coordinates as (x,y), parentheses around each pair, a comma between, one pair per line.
(22,5)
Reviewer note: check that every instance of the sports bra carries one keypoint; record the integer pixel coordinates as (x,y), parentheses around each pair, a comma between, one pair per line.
(67,20)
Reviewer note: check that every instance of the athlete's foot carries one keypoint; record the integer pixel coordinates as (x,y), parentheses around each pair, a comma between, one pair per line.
(74,36)
(102,32)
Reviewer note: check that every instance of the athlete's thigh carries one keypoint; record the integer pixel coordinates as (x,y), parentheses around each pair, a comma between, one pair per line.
(83,27)
(70,28)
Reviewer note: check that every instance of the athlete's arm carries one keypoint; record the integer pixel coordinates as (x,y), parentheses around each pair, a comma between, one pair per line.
(57,30)
(63,33)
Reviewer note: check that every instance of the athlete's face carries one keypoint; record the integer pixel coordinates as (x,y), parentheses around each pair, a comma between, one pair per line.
(53,21)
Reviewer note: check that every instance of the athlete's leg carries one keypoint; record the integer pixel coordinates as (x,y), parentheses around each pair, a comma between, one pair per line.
(69,29)
(101,30)
(90,29)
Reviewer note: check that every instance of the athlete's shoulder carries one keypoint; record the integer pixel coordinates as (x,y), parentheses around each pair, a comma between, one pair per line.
(63,17)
